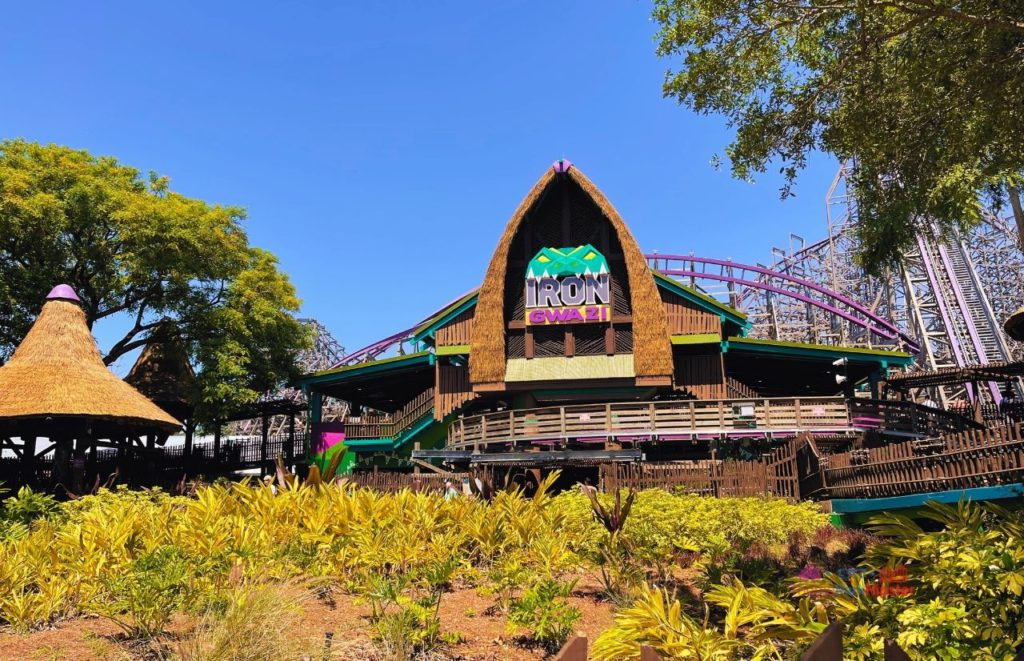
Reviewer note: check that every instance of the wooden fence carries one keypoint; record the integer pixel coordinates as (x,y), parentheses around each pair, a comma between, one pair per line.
(774,474)
(963,460)
(390,481)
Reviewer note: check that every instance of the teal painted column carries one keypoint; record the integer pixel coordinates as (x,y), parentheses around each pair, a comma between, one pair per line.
(316,410)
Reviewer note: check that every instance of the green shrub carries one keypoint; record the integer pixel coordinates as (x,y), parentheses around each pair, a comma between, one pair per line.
(543,611)
(142,599)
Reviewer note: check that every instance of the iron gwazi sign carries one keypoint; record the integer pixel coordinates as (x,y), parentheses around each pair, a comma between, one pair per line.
(568,286)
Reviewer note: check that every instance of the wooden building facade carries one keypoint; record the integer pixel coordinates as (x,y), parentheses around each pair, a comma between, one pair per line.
(571,326)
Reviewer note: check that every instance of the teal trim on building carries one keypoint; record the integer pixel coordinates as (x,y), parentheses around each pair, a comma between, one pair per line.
(862,505)
(427,328)
(797,349)
(363,369)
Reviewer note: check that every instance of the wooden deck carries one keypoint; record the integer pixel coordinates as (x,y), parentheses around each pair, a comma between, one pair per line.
(598,425)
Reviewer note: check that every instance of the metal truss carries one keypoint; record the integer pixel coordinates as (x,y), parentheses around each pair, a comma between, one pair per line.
(324,353)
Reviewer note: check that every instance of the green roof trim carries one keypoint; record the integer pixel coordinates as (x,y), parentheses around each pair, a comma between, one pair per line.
(702,300)
(428,327)
(820,350)
(452,350)
(360,369)
(696,338)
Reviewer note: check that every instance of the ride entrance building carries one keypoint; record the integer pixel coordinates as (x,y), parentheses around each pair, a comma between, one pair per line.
(575,353)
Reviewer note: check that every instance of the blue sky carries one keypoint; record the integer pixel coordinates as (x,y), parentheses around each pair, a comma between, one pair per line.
(380,148)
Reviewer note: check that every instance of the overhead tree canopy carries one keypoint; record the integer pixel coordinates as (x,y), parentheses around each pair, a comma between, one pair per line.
(925,96)
(134,249)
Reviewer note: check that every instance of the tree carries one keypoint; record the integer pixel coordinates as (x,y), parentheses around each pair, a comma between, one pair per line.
(135,250)
(926,97)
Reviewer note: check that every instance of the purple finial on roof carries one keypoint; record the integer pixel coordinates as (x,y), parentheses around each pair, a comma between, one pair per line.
(63,292)
(562,165)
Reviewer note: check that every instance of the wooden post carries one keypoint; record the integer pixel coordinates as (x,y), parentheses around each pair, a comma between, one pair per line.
(647,653)
(893,652)
(216,441)
(290,451)
(61,473)
(828,646)
(28,460)
(265,432)
(78,465)
(190,430)
(574,650)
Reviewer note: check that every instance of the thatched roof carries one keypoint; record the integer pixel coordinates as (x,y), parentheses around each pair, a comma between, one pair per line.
(163,374)
(652,350)
(57,372)
(1014,325)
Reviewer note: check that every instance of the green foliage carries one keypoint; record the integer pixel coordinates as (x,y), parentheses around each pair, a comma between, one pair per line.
(543,611)
(973,566)
(27,506)
(137,557)
(915,91)
(661,524)
(142,599)
(132,247)
(658,620)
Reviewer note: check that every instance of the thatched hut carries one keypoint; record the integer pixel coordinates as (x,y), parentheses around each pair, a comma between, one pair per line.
(56,386)
(163,374)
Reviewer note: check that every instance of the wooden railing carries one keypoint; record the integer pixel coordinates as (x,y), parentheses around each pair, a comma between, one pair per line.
(668,420)
(973,458)
(392,425)
(906,417)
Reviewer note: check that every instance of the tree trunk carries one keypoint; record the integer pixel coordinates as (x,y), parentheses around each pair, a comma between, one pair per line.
(1018,214)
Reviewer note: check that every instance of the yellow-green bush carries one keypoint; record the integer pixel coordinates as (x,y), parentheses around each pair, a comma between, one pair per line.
(85,557)
(661,523)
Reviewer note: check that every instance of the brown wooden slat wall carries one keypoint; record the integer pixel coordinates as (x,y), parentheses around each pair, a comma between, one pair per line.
(973,458)
(457,331)
(702,375)
(773,475)
(453,389)
(388,481)
(686,318)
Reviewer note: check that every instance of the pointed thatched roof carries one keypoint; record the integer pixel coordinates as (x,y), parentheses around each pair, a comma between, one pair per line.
(57,372)
(1014,325)
(163,374)
(652,349)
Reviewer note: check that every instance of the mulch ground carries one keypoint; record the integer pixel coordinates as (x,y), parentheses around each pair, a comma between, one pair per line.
(464,611)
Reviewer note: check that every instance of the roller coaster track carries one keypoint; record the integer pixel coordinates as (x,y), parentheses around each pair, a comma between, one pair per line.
(695,271)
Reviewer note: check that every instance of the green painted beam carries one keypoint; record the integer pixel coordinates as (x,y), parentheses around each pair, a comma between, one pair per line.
(855,354)
(362,369)
(453,350)
(696,338)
